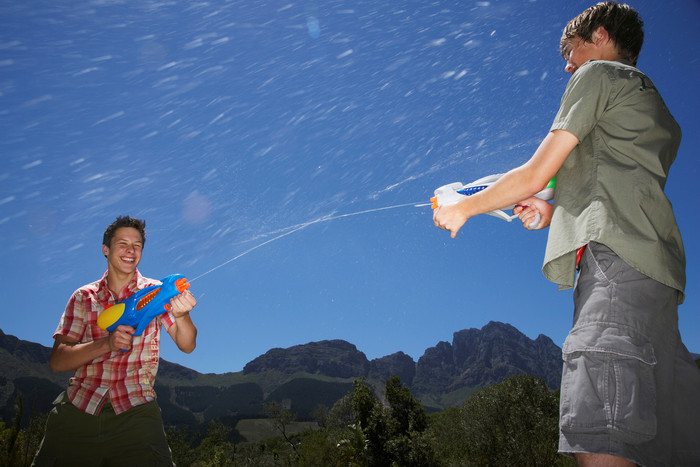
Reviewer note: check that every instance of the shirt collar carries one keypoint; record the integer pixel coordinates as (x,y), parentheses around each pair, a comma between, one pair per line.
(103,293)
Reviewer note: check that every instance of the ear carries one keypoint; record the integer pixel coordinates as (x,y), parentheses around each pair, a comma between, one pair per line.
(600,36)
(105,250)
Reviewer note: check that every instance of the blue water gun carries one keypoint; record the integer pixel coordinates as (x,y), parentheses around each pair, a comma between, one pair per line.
(455,192)
(139,310)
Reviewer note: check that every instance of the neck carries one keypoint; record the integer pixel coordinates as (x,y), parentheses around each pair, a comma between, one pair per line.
(116,281)
(608,51)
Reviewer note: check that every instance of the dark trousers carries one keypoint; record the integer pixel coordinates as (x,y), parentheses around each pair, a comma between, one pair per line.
(135,437)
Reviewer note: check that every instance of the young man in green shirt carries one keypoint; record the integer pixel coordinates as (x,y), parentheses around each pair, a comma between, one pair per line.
(630,389)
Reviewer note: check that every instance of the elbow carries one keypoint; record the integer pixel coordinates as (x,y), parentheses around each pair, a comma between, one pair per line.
(535,182)
(189,348)
(60,361)
(53,362)
(538,186)
(189,345)
(184,336)
(56,366)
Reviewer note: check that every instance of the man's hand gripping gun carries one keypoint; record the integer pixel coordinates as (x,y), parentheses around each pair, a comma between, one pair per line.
(139,310)
(455,192)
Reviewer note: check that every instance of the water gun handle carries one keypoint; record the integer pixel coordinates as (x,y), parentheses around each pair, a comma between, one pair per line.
(536,222)
(142,307)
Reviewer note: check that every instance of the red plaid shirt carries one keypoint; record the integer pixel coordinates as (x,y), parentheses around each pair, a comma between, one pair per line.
(126,378)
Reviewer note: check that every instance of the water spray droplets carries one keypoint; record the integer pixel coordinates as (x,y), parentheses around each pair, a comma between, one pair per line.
(295,228)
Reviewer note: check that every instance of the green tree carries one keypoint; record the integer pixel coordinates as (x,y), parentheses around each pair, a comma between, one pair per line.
(282,418)
(370,422)
(319,447)
(9,454)
(216,450)
(409,444)
(511,423)
(181,445)
(407,415)
(320,414)
(393,435)
(19,445)
(364,403)
(342,414)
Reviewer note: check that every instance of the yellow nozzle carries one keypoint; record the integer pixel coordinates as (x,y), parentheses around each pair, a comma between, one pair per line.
(434,201)
(110,316)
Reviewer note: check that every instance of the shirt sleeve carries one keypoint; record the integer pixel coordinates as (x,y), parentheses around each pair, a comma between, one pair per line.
(72,323)
(167,319)
(585,100)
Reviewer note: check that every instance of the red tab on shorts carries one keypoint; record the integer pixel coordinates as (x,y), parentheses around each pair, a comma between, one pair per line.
(579,254)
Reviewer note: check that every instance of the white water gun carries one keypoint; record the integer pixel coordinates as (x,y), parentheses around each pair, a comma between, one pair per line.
(455,192)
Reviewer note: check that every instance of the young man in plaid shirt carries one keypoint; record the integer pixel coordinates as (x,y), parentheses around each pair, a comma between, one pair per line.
(109,414)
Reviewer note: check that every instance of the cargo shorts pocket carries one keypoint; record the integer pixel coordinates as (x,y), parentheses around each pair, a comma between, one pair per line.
(608,383)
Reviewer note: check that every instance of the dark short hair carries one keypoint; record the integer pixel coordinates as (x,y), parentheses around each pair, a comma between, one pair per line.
(623,24)
(124,221)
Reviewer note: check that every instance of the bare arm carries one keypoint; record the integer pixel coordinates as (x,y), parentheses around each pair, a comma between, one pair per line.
(515,186)
(183,331)
(69,354)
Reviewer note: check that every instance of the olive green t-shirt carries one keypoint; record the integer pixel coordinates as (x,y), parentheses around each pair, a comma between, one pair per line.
(610,189)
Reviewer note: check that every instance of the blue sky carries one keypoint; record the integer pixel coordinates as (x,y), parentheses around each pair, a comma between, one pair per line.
(262,142)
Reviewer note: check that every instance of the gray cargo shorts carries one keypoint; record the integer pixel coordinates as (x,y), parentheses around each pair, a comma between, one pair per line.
(629,386)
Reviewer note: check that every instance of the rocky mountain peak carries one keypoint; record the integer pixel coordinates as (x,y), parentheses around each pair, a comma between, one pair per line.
(336,358)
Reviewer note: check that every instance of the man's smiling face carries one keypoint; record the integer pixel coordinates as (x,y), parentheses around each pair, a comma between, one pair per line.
(124,253)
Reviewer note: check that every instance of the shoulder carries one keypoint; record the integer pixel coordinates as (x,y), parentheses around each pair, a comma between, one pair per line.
(88,289)
(595,70)
(604,79)
(96,290)
(612,70)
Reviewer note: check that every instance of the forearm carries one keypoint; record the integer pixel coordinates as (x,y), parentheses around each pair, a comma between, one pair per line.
(68,356)
(513,187)
(184,333)
(526,180)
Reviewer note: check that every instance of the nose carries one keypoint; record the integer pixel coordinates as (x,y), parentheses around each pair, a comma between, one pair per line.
(570,67)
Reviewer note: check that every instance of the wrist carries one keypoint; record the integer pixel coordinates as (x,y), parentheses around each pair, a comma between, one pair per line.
(465,209)
(181,315)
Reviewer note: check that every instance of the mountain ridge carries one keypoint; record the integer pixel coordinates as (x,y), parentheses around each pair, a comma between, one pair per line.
(301,377)
(305,375)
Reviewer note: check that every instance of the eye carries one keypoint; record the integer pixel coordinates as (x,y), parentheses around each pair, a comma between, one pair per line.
(566,53)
